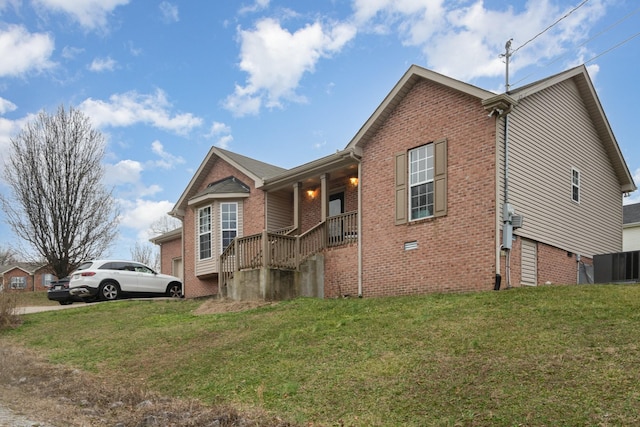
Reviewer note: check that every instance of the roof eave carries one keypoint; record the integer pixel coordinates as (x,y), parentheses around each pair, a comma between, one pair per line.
(315,168)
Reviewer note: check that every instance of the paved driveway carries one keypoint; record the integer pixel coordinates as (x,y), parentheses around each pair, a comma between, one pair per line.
(41,308)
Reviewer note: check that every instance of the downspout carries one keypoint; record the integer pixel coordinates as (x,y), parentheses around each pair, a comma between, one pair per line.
(359,221)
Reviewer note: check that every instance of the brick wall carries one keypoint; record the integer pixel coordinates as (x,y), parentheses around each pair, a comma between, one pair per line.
(253,222)
(553,265)
(169,251)
(341,271)
(33,282)
(557,266)
(455,252)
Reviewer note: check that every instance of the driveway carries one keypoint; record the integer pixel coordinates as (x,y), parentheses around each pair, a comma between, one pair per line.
(41,308)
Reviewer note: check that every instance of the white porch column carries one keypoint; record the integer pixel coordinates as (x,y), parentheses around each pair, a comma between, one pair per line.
(296,207)
(324,196)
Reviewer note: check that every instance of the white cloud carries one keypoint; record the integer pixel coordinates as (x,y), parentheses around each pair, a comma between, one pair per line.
(90,14)
(123,172)
(222,133)
(224,141)
(28,51)
(139,214)
(6,106)
(70,52)
(453,35)
(131,107)
(276,60)
(167,160)
(126,176)
(169,12)
(9,129)
(256,7)
(102,64)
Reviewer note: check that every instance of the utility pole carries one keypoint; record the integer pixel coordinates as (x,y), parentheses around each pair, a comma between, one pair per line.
(507,209)
(507,55)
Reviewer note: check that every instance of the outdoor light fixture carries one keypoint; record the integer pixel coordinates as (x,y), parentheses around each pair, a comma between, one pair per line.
(311,193)
(354,181)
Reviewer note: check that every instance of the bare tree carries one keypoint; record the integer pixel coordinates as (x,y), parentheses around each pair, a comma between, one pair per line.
(7,256)
(164,224)
(59,204)
(145,254)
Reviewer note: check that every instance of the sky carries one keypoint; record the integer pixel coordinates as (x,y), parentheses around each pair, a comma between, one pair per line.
(285,82)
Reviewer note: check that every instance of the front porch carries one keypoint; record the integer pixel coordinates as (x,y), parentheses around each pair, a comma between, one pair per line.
(276,265)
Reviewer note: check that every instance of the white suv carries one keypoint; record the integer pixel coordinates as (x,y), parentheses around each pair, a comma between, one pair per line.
(109,279)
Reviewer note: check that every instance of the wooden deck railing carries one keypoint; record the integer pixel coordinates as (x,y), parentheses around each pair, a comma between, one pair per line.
(279,250)
(342,229)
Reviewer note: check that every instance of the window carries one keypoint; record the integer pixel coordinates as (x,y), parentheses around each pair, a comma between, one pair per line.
(47,279)
(204,232)
(575,185)
(18,283)
(228,223)
(421,182)
(421,177)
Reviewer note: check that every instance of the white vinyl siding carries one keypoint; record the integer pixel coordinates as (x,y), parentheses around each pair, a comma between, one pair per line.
(549,133)
(279,210)
(529,263)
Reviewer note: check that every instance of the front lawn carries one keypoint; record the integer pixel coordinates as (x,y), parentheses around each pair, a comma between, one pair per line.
(561,355)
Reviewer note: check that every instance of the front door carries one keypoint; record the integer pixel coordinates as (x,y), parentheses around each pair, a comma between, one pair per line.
(336,207)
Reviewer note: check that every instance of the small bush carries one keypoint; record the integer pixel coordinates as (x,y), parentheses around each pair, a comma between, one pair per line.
(8,311)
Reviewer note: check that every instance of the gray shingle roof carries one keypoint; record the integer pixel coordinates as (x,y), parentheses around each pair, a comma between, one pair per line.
(631,213)
(258,168)
(230,184)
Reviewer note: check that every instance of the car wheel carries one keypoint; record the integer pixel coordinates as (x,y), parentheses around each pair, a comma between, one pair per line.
(174,290)
(109,291)
(65,302)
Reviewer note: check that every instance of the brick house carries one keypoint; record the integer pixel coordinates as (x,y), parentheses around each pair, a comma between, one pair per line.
(446,187)
(25,277)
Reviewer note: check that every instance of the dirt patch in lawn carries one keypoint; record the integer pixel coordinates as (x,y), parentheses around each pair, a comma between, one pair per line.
(214,306)
(60,395)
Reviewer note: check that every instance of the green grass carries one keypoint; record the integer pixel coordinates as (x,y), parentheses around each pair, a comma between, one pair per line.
(561,356)
(28,298)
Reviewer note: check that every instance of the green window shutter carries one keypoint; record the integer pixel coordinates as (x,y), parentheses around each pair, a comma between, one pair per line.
(401,187)
(440,178)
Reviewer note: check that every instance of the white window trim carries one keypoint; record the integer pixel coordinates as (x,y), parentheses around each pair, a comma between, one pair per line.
(222,229)
(18,282)
(417,183)
(201,233)
(576,185)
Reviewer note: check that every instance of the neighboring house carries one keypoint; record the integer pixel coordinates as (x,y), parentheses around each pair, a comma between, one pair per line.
(631,228)
(25,277)
(414,203)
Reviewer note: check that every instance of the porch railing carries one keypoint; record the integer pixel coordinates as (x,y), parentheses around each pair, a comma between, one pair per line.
(280,250)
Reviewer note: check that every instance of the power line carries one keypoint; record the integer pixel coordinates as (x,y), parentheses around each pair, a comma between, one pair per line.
(550,26)
(615,24)
(614,47)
